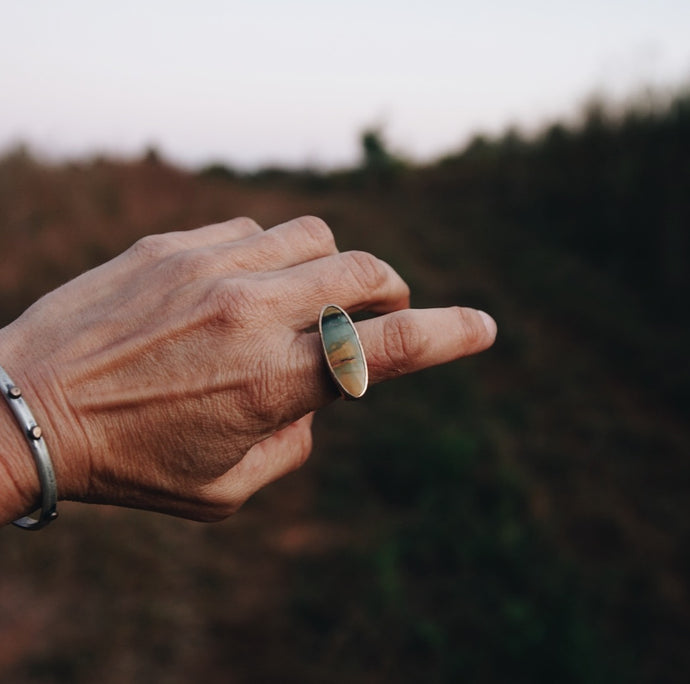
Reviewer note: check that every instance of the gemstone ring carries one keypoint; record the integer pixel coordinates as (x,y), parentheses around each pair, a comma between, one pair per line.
(343,352)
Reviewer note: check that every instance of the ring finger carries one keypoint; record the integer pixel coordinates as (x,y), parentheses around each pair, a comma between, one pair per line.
(399,343)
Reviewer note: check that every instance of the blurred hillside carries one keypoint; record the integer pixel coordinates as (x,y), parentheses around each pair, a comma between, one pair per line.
(522,516)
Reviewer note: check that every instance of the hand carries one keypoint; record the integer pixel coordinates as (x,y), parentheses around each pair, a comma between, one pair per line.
(182,375)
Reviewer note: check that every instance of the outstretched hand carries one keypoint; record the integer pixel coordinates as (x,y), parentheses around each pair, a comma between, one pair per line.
(182,375)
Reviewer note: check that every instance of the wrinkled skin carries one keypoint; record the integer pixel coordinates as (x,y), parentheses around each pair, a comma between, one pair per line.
(182,376)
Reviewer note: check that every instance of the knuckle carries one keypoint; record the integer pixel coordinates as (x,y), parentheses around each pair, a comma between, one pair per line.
(247,225)
(193,263)
(232,301)
(317,233)
(268,399)
(151,248)
(366,270)
(404,342)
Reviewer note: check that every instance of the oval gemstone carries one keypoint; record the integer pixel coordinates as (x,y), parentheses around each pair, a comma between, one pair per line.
(343,351)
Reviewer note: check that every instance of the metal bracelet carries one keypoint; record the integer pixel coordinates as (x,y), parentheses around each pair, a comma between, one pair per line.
(39,450)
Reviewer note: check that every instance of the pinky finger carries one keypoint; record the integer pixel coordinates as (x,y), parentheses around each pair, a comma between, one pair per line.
(267,461)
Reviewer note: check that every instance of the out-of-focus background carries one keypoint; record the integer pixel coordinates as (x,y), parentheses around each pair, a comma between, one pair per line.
(521,516)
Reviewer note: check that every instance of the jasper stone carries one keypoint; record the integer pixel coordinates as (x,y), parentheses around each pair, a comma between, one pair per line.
(343,351)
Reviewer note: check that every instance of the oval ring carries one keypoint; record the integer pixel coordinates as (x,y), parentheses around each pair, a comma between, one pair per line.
(343,352)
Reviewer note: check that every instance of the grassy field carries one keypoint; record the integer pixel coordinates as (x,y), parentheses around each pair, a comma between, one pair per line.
(522,516)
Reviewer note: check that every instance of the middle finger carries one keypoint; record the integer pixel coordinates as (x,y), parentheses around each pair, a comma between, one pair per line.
(354,280)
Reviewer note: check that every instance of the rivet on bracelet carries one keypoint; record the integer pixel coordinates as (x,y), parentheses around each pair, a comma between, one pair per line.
(35,432)
(14,392)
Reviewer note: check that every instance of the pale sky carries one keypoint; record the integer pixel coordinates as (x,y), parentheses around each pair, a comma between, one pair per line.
(264,81)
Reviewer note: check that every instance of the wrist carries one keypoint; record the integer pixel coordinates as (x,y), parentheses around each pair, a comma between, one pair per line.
(20,489)
(27,472)
(33,433)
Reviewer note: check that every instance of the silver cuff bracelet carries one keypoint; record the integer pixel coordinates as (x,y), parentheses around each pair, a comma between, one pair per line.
(44,465)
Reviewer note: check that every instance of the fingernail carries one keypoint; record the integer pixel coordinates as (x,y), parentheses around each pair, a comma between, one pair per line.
(489,323)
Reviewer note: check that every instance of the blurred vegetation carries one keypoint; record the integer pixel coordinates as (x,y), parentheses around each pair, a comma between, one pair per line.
(521,516)
(380,167)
